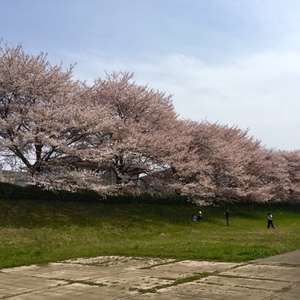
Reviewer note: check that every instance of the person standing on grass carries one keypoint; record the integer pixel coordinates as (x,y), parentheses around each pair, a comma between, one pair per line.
(227,216)
(270,221)
(199,216)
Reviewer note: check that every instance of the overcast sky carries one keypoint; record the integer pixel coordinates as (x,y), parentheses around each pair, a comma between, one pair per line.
(235,62)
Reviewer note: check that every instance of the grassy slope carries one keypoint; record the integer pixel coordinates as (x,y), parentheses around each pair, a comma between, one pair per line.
(40,232)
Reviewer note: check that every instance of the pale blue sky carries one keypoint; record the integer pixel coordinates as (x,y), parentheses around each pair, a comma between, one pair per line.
(236,62)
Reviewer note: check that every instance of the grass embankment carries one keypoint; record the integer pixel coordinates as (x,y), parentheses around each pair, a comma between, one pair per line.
(34,232)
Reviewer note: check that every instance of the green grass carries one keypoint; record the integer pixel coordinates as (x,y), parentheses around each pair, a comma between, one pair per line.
(33,232)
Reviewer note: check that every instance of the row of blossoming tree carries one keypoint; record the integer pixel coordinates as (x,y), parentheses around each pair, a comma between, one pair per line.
(67,135)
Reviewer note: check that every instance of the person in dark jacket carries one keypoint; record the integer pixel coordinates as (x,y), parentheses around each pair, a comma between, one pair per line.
(199,216)
(270,221)
(227,216)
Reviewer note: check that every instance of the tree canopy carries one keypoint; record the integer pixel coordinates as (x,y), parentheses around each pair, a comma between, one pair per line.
(120,137)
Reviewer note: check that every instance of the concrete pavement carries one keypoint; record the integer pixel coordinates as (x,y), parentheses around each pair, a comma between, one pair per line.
(134,278)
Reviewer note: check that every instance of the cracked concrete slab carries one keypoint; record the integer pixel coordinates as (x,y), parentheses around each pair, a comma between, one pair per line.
(119,277)
(18,284)
(289,294)
(187,268)
(74,291)
(275,273)
(265,284)
(202,290)
(124,261)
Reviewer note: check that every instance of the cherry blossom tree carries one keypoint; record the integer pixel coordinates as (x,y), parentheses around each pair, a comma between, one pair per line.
(142,118)
(188,164)
(67,134)
(220,162)
(285,175)
(44,116)
(240,165)
(293,170)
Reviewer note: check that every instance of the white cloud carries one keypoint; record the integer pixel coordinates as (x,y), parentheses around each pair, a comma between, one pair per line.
(259,92)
